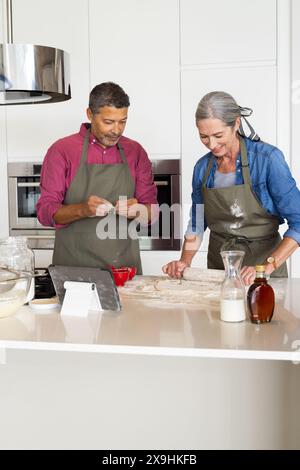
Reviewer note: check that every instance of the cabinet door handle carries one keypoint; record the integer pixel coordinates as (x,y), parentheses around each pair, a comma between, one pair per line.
(161,183)
(27,185)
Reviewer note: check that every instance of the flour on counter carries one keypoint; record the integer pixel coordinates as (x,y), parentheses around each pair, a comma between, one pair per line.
(173,291)
(204,275)
(165,291)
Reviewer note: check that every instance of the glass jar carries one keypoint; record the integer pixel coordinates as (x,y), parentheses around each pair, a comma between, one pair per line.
(15,254)
(260,298)
(232,300)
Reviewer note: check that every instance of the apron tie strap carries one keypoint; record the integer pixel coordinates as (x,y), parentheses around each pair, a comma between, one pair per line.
(232,240)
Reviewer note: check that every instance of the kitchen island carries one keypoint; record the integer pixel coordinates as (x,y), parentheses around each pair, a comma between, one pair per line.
(155,375)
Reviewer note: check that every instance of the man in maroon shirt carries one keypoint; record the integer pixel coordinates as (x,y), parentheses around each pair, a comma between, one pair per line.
(93,174)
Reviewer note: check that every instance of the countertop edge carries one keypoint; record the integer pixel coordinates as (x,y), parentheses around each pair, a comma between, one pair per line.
(293,356)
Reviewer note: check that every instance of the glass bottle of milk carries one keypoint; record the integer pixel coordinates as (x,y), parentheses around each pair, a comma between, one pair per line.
(232,300)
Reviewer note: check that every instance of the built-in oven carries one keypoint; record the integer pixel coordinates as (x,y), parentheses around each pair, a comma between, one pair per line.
(23,194)
(165,234)
(24,191)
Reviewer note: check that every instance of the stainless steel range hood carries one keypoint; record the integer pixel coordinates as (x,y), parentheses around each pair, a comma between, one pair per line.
(32,74)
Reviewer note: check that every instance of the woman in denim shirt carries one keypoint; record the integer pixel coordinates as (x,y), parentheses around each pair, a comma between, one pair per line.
(242,190)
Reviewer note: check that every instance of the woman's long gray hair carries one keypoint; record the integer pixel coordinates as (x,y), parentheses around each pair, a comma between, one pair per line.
(221,105)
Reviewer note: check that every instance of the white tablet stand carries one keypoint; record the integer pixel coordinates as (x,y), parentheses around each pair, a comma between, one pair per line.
(80,297)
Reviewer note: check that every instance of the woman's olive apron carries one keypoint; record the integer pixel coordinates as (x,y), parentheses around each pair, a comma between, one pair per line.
(237,221)
(79,244)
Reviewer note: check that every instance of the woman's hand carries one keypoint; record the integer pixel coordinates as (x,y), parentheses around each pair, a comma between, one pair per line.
(175,268)
(248,274)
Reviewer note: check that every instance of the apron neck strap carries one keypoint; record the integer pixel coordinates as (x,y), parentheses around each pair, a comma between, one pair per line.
(208,168)
(244,162)
(122,153)
(86,142)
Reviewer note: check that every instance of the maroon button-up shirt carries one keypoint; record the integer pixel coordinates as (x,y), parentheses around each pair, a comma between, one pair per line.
(62,162)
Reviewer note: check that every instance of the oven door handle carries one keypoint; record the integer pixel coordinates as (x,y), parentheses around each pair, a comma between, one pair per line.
(161,183)
(37,237)
(27,185)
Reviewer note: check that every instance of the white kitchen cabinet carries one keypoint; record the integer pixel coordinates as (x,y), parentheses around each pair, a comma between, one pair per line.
(232,31)
(136,44)
(170,370)
(31,129)
(111,400)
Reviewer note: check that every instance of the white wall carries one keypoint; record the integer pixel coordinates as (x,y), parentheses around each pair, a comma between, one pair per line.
(166,54)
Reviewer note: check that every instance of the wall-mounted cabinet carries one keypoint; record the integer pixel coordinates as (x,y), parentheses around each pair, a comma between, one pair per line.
(136,44)
(232,31)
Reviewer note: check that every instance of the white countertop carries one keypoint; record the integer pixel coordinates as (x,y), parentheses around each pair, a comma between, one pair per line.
(151,328)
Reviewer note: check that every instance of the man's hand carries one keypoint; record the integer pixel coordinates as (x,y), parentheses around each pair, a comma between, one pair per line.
(128,208)
(96,206)
(69,213)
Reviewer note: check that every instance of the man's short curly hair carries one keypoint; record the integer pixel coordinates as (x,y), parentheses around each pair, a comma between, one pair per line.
(108,94)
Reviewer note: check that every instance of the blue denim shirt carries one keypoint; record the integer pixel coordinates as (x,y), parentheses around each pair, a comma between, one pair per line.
(272,183)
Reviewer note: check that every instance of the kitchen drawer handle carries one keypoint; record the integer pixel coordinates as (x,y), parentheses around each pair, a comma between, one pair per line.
(161,183)
(27,185)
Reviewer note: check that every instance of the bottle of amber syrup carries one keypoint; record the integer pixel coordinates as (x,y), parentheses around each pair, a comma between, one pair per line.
(260,298)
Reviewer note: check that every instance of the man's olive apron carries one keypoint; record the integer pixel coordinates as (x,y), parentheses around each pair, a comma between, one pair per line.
(78,243)
(238,221)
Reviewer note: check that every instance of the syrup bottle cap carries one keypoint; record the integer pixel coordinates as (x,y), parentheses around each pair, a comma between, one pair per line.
(260,268)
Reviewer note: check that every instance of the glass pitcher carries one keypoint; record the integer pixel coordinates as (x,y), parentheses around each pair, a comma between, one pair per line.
(232,301)
(15,254)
